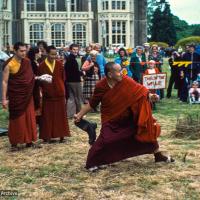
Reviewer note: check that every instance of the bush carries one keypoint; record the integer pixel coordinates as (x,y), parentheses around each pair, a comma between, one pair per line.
(189,40)
(188,126)
(160,44)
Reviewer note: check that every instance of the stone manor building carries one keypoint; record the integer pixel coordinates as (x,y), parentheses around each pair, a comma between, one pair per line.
(109,22)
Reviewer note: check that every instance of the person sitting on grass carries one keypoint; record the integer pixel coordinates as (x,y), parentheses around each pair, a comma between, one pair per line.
(194,93)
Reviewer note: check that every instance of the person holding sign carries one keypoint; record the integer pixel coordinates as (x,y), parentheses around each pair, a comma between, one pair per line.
(152,69)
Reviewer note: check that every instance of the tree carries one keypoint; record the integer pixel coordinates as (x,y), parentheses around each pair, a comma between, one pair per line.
(184,30)
(196,31)
(155,28)
(151,6)
(163,29)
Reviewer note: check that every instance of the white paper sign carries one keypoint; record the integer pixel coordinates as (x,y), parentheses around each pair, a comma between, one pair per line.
(155,81)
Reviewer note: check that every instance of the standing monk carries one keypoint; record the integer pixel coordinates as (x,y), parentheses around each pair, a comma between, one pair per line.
(18,83)
(128,127)
(54,122)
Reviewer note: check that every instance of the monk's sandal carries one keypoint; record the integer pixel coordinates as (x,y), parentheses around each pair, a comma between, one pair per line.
(93,169)
(159,157)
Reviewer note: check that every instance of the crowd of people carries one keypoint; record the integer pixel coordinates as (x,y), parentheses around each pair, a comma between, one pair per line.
(184,77)
(40,84)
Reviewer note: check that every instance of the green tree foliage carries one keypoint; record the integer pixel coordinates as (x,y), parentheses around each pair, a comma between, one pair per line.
(196,31)
(183,29)
(163,29)
(151,6)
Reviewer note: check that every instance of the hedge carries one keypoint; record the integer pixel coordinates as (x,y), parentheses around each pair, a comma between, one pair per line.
(160,44)
(189,40)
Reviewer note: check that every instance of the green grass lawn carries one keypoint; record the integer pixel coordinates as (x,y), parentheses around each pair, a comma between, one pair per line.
(57,170)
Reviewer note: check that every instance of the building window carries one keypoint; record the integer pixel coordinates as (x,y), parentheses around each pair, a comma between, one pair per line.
(31,5)
(105,32)
(73,5)
(113,5)
(118,5)
(36,33)
(5,33)
(61,5)
(58,35)
(79,34)
(5,4)
(119,32)
(52,5)
(40,5)
(105,5)
(123,5)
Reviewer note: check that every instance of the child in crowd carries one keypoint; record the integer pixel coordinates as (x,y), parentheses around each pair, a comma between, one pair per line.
(152,69)
(194,93)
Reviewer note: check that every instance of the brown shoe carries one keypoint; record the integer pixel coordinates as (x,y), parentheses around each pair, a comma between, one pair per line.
(14,148)
(62,140)
(28,145)
(45,142)
(52,141)
(33,145)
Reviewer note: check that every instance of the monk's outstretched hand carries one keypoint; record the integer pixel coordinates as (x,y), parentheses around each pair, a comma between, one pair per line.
(45,77)
(77,118)
(84,110)
(5,103)
(153,97)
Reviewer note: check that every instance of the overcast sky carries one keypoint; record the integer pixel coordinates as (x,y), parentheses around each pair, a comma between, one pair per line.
(188,10)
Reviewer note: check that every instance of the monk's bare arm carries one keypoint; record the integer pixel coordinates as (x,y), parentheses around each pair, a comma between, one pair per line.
(5,87)
(84,110)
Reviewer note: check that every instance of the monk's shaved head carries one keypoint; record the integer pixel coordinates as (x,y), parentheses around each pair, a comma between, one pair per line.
(113,71)
(109,67)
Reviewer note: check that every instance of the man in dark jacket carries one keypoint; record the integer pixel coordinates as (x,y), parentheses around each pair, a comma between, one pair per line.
(73,78)
(174,76)
(194,68)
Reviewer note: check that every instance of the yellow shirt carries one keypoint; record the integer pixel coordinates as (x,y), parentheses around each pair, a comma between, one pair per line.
(14,66)
(51,66)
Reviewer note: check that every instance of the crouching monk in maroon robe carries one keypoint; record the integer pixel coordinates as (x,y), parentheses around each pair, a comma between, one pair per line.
(128,127)
(17,85)
(54,122)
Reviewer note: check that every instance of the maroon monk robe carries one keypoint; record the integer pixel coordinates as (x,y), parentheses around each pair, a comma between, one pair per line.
(122,108)
(54,122)
(22,125)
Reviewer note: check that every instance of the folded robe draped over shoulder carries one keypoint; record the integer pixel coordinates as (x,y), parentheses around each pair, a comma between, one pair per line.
(22,125)
(20,89)
(127,94)
(54,122)
(128,127)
